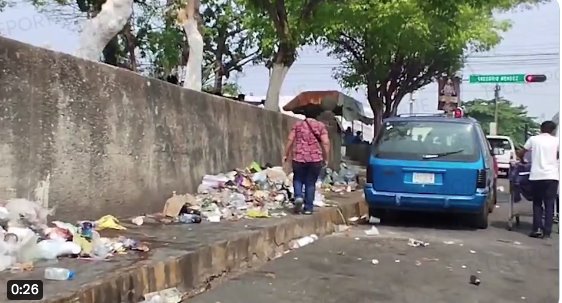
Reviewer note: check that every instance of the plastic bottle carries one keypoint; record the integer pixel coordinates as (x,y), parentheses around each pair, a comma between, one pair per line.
(60,274)
(189,218)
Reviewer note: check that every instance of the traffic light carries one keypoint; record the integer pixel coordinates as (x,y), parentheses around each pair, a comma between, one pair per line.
(535,78)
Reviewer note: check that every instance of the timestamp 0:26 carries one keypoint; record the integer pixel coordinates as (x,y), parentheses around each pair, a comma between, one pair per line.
(24,290)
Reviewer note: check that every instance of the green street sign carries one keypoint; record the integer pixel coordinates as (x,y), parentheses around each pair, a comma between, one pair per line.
(508,78)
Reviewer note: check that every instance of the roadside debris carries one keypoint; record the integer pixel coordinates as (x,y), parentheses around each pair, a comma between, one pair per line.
(346,180)
(472,251)
(59,274)
(474,280)
(417,243)
(303,241)
(375,261)
(509,241)
(169,295)
(374,220)
(138,220)
(26,237)
(341,228)
(373,231)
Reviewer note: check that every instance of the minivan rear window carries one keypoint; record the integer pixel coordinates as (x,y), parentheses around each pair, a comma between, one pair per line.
(500,143)
(428,141)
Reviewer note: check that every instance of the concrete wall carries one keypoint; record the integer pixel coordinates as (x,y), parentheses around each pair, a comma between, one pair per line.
(100,140)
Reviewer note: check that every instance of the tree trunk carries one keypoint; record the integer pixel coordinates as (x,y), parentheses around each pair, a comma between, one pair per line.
(97,32)
(131,42)
(110,52)
(377,106)
(195,40)
(284,59)
(217,87)
(278,73)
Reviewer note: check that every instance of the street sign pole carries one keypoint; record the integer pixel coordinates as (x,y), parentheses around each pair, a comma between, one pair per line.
(496,101)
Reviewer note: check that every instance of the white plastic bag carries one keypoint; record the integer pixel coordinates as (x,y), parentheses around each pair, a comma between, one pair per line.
(52,248)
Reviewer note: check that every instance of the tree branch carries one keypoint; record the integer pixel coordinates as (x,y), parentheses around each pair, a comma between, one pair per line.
(308,9)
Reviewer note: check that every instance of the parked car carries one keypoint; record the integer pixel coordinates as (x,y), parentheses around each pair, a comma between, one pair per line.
(432,163)
(505,151)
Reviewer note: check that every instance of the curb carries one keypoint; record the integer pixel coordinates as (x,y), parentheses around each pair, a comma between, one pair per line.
(195,270)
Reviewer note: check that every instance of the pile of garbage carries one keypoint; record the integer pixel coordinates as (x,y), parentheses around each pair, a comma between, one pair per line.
(254,192)
(26,237)
(346,180)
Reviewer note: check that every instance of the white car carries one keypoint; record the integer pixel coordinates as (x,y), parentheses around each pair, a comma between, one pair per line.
(507,151)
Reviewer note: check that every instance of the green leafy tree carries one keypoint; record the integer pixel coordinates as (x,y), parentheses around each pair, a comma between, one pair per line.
(393,48)
(228,44)
(282,27)
(153,43)
(513,120)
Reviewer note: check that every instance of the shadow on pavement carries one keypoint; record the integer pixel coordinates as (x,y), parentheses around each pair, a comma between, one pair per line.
(446,221)
(523,228)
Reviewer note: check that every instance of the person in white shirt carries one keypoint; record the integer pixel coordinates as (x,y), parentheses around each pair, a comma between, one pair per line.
(544,177)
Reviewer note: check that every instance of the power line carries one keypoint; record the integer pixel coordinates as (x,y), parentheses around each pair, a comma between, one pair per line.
(515,55)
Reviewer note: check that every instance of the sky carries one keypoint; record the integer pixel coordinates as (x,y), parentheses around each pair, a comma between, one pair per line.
(531,46)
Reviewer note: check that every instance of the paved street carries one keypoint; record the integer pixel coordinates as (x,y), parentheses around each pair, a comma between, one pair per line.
(511,266)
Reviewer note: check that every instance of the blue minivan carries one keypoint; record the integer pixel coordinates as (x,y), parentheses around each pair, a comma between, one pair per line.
(432,163)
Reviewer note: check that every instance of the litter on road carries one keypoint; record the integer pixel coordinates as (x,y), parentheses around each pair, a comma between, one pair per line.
(303,241)
(373,231)
(417,243)
(474,280)
(255,192)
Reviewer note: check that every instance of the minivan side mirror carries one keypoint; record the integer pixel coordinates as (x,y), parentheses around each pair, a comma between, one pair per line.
(496,151)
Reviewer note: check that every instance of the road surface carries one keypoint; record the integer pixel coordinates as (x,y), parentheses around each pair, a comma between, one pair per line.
(353,266)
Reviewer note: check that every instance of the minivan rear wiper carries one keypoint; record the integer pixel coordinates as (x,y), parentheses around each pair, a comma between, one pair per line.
(439,155)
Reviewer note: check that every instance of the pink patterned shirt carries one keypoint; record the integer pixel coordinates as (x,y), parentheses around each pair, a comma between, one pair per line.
(306,147)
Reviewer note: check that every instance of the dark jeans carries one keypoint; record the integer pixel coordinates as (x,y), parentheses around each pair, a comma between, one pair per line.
(306,174)
(544,195)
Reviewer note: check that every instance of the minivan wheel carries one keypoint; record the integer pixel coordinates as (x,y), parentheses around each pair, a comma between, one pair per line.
(480,220)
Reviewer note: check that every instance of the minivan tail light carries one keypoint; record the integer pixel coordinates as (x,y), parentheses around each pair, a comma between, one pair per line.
(458,112)
(369,174)
(481,179)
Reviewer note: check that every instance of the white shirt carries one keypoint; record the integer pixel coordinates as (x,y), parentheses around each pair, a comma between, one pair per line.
(544,160)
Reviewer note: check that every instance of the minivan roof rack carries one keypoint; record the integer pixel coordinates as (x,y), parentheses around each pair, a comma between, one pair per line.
(422,115)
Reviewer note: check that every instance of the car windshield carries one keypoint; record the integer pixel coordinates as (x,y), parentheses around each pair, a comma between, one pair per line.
(427,140)
(500,143)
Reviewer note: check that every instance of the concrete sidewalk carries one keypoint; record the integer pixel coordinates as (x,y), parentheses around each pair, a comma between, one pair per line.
(186,256)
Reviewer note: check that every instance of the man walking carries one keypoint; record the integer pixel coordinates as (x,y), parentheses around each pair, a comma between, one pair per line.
(544,177)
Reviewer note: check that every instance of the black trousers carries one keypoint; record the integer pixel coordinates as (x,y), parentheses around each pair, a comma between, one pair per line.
(544,199)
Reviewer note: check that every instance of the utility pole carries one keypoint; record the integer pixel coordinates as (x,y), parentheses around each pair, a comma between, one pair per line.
(494,125)
(411,103)
(496,101)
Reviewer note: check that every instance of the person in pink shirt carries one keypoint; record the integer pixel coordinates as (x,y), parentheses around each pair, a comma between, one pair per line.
(309,146)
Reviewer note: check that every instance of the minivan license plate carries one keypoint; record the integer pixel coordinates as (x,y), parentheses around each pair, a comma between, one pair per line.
(423,178)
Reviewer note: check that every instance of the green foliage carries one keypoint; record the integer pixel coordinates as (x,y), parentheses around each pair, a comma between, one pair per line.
(230,89)
(229,45)
(282,26)
(511,118)
(395,47)
(160,42)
